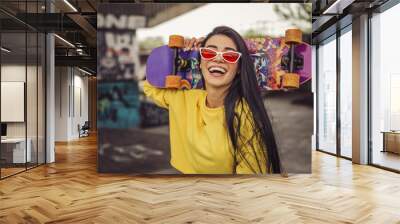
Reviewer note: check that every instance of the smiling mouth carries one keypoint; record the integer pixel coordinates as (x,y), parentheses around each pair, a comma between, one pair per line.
(217,71)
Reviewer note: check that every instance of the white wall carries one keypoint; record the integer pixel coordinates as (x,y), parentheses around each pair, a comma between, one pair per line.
(81,81)
(61,103)
(71,94)
(13,73)
(33,127)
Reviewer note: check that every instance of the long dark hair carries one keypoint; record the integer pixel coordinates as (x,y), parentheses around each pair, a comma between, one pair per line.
(244,90)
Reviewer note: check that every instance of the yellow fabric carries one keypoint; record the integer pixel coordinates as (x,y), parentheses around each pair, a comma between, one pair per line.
(200,143)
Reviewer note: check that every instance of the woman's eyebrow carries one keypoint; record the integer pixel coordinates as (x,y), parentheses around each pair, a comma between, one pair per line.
(212,46)
(229,48)
(226,48)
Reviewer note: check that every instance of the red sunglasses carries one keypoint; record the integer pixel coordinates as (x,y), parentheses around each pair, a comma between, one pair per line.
(209,54)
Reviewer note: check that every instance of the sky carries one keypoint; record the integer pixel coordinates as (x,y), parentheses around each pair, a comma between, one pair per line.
(200,21)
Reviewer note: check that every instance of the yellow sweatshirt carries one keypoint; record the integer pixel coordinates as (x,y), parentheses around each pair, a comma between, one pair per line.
(200,142)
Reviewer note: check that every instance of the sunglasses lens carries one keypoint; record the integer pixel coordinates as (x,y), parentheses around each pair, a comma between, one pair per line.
(231,56)
(208,54)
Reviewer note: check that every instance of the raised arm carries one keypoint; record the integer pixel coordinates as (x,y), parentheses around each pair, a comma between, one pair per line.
(162,97)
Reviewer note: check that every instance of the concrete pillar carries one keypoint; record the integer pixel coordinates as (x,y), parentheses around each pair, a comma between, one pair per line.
(50,92)
(360,90)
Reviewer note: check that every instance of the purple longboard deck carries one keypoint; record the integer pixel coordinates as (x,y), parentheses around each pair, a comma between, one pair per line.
(160,62)
(267,56)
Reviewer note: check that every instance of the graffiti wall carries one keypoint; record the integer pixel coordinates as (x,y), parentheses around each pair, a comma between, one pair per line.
(138,135)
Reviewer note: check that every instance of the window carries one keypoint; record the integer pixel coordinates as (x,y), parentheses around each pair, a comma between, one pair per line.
(346,93)
(385,89)
(22,75)
(327,96)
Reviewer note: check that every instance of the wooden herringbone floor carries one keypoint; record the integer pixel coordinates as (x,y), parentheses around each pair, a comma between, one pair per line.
(71,191)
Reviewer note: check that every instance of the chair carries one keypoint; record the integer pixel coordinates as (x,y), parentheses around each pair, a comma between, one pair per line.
(84,130)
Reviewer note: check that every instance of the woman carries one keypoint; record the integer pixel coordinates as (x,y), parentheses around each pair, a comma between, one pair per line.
(223,128)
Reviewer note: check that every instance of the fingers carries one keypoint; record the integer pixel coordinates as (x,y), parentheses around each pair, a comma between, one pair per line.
(186,44)
(192,44)
(198,43)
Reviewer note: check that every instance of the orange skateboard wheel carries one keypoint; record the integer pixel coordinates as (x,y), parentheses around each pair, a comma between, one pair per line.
(185,84)
(293,36)
(176,41)
(173,81)
(291,81)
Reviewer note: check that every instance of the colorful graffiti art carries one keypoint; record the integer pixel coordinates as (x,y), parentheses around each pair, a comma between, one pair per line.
(270,56)
(118,105)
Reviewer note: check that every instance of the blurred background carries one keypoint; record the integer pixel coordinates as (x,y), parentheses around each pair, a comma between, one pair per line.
(133,131)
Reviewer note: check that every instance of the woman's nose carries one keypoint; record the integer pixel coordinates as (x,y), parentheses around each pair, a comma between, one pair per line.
(219,58)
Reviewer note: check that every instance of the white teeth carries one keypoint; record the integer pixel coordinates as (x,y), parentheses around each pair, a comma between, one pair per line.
(217,69)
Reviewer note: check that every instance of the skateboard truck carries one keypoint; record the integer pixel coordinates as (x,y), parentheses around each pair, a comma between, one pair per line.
(174,81)
(291,80)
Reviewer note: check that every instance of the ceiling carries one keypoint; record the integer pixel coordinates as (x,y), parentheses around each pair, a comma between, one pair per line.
(76,23)
(331,15)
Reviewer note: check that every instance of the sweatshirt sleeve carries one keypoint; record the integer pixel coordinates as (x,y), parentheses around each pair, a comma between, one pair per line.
(162,97)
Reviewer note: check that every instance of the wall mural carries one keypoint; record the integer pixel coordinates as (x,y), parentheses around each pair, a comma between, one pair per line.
(134,132)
